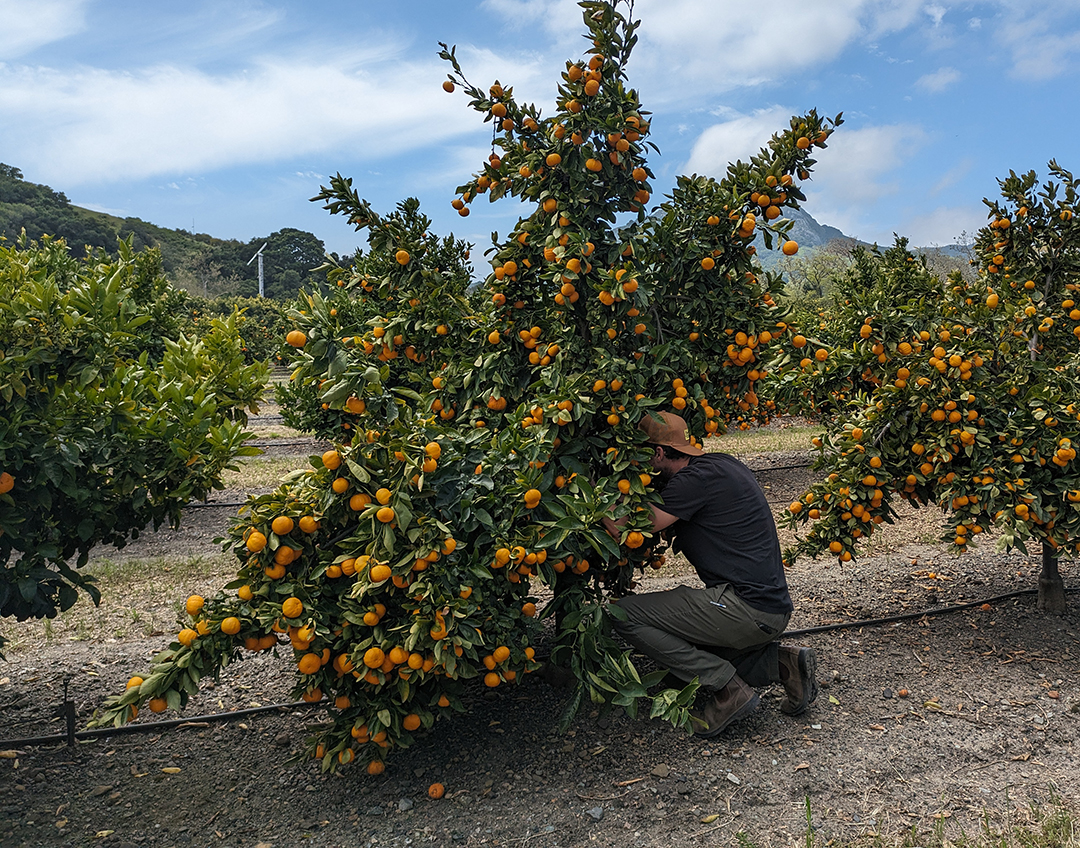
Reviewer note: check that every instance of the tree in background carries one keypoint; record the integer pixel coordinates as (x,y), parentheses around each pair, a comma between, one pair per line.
(111,420)
(966,391)
(489,430)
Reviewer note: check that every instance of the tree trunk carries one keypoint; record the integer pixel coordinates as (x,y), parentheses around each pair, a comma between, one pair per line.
(1051,586)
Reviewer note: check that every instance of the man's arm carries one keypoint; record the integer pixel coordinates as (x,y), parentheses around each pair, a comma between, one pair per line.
(660,521)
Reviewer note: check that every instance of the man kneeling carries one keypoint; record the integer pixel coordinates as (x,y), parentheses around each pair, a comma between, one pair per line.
(726,635)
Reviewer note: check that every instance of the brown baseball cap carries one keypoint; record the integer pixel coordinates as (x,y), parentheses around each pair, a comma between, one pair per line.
(670,431)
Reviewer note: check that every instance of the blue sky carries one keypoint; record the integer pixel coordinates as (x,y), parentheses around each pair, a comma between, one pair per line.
(226,116)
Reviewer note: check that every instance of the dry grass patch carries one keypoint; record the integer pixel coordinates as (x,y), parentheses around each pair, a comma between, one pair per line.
(262,472)
(774,438)
(139,598)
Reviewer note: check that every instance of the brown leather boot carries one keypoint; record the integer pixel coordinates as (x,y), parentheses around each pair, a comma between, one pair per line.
(798,674)
(735,701)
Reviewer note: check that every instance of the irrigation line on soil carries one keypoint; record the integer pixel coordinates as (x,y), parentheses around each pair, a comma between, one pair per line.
(908,616)
(152,726)
(71,735)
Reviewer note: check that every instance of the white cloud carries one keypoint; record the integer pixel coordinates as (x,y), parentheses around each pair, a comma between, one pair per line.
(858,174)
(859,165)
(1043,40)
(953,175)
(92,125)
(737,138)
(938,81)
(559,18)
(29,24)
(943,225)
(689,46)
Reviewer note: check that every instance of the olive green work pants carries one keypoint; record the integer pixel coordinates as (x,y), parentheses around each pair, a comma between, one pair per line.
(711,634)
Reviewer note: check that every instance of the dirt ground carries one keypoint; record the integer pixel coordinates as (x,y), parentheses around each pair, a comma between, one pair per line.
(930,728)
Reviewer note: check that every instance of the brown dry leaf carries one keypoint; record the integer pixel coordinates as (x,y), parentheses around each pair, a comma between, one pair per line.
(709,819)
(101,834)
(9,755)
(171,770)
(802,766)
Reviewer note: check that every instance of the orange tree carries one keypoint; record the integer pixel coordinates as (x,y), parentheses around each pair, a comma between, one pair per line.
(108,425)
(490,428)
(967,393)
(879,300)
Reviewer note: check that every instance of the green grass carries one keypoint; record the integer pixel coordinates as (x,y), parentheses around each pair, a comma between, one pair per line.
(764,440)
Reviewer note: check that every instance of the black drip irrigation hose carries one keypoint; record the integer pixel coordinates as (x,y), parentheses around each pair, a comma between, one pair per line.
(909,616)
(73,735)
(70,737)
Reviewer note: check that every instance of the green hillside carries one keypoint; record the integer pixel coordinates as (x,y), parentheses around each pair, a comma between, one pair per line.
(197,262)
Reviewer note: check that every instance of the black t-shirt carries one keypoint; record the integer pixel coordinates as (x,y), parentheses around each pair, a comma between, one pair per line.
(726,530)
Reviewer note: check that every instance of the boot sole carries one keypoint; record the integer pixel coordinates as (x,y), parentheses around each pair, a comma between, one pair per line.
(808,673)
(740,713)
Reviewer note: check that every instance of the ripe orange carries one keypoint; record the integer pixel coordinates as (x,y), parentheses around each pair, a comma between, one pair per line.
(186,636)
(492,679)
(133,682)
(402,257)
(256,541)
(376,767)
(532,498)
(790,248)
(411,722)
(244,593)
(158,705)
(385,515)
(194,605)
(634,539)
(436,791)
(374,657)
(296,338)
(529,610)
(380,572)
(292,608)
(230,626)
(7,483)
(282,525)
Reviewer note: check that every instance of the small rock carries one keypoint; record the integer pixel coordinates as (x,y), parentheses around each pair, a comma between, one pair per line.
(886,694)
(374,811)
(99,790)
(597,813)
(282,740)
(404,804)
(660,771)
(733,779)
